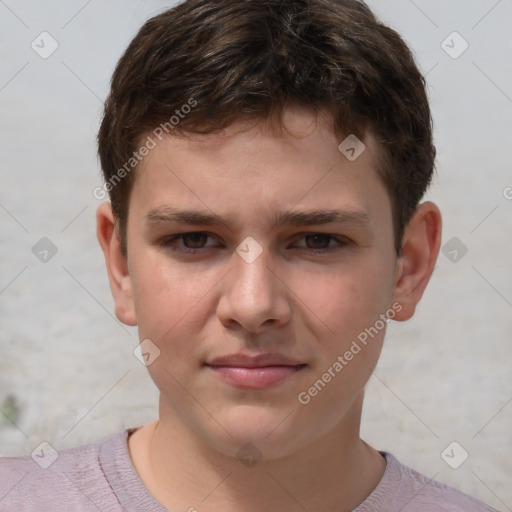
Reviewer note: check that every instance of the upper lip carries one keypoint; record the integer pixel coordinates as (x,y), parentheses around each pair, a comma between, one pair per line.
(258,361)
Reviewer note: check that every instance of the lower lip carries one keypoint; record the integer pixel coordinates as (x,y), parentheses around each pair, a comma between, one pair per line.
(255,378)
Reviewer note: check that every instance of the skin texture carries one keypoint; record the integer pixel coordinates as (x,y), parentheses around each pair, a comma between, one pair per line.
(291,300)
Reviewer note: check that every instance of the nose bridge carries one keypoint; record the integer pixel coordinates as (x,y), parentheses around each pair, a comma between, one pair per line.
(253,293)
(253,278)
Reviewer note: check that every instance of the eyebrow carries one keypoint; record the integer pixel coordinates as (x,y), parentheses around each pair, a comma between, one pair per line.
(164,214)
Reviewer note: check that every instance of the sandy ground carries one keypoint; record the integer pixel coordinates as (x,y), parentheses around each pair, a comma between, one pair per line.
(67,372)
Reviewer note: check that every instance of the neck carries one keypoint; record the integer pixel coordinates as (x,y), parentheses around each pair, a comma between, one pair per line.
(183,472)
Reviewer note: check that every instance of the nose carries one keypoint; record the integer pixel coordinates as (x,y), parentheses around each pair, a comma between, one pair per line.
(254,296)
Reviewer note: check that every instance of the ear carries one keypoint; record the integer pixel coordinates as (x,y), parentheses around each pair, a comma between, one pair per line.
(117,265)
(420,248)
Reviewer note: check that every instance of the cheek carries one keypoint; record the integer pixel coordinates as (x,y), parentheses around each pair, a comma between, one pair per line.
(170,300)
(341,304)
(343,317)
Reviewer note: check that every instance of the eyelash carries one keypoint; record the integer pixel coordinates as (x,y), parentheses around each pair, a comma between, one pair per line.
(168,243)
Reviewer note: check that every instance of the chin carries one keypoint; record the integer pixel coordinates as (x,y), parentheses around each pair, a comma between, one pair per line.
(259,432)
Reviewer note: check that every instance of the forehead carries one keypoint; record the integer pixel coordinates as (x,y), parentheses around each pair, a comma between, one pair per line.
(254,169)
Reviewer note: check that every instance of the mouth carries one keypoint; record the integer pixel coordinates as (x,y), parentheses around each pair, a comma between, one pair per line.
(255,372)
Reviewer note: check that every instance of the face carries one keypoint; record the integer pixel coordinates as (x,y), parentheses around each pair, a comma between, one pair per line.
(251,243)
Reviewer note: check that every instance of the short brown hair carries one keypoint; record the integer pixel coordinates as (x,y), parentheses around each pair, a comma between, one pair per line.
(249,60)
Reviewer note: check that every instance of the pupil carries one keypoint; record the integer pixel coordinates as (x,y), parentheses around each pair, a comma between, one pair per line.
(196,239)
(317,238)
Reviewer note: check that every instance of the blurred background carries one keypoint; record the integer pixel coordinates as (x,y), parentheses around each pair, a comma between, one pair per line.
(441,397)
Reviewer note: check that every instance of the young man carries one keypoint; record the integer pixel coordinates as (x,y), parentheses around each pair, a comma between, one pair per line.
(265,162)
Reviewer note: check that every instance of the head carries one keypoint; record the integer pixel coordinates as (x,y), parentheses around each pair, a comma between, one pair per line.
(203,65)
(236,110)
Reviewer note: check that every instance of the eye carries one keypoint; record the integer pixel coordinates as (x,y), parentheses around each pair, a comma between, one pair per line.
(193,242)
(319,242)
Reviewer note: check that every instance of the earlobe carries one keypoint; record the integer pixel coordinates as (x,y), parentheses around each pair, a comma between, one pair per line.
(117,265)
(420,248)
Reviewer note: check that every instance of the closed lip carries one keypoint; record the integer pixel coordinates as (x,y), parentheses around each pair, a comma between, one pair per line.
(258,361)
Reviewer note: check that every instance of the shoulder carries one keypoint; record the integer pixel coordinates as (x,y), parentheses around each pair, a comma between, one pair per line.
(73,476)
(410,491)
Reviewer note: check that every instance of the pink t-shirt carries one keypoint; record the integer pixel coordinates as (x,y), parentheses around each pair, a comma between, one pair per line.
(100,477)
